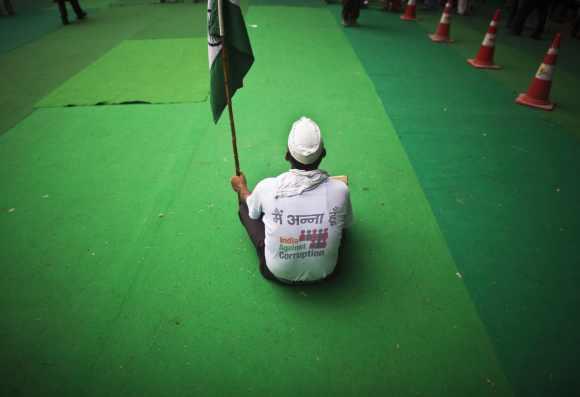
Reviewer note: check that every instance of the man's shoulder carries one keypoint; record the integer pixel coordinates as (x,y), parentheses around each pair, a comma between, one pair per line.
(266,184)
(337,186)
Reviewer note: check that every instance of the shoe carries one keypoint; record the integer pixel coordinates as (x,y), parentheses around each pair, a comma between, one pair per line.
(348,23)
(82,16)
(536,36)
(65,21)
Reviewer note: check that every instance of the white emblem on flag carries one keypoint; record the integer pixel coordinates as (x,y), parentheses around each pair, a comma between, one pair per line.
(214,43)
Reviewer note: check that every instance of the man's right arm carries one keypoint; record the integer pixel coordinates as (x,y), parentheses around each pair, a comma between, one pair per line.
(240,186)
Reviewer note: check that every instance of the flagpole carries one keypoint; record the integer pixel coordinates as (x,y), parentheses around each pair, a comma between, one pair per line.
(226,67)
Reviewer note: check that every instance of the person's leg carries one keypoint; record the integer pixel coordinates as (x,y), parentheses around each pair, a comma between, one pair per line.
(394,5)
(527,6)
(346,11)
(576,23)
(256,232)
(429,5)
(8,7)
(63,13)
(355,12)
(569,10)
(513,12)
(576,27)
(461,7)
(542,6)
(557,10)
(77,8)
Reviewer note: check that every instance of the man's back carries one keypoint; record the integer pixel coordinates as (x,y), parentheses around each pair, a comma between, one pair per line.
(303,231)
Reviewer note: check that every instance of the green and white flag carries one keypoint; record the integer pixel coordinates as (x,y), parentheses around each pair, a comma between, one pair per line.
(226,27)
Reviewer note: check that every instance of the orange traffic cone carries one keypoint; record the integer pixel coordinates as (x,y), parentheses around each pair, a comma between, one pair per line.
(484,57)
(441,35)
(539,91)
(410,9)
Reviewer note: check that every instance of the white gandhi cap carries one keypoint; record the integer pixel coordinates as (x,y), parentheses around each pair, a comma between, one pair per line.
(305,142)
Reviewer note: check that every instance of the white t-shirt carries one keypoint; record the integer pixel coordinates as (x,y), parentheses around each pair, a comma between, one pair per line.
(303,232)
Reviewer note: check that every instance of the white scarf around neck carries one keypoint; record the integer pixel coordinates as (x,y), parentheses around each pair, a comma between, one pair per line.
(295,182)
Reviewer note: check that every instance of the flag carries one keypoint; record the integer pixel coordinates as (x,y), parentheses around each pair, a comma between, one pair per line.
(230,32)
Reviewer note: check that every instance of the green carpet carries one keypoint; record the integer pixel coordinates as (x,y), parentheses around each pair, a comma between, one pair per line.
(126,271)
(63,53)
(86,219)
(178,20)
(132,2)
(26,26)
(153,71)
(89,4)
(501,179)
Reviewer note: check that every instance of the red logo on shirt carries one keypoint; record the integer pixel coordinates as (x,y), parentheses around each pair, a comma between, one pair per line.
(317,237)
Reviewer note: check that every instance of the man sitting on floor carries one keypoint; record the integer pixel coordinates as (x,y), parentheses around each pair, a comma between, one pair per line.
(295,220)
